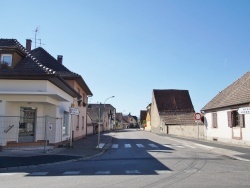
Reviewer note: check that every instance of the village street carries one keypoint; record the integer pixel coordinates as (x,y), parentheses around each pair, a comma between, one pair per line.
(137,158)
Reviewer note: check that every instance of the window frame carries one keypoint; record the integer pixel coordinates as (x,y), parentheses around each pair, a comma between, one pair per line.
(235,119)
(2,59)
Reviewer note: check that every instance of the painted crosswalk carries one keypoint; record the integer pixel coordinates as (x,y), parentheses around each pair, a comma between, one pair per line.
(151,145)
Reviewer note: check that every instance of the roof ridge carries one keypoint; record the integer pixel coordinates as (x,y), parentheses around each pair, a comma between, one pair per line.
(28,54)
(55,59)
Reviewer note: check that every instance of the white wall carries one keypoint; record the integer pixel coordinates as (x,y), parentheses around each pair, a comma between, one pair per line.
(223,133)
(46,106)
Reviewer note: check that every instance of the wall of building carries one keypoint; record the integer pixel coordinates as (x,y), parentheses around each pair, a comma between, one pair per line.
(155,118)
(190,131)
(80,129)
(223,132)
(45,105)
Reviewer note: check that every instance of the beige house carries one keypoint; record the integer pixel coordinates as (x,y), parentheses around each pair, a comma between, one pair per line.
(103,114)
(131,120)
(120,124)
(172,112)
(225,118)
(148,119)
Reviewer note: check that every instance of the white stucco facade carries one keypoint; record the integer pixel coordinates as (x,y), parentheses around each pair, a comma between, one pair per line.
(223,132)
(49,103)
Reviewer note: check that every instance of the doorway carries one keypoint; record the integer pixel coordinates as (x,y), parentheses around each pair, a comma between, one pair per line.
(27,124)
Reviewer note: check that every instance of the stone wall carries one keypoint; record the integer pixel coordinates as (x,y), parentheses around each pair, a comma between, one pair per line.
(190,131)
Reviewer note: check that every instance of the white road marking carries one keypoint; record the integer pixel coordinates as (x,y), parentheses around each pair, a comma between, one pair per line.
(127,146)
(115,146)
(208,147)
(100,145)
(71,172)
(162,171)
(140,145)
(102,172)
(38,173)
(153,145)
(8,174)
(180,146)
(189,146)
(168,146)
(133,172)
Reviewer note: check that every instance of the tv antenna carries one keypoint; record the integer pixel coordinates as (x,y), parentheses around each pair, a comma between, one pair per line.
(40,40)
(36,31)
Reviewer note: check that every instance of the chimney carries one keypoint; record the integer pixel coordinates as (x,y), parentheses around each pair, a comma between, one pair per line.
(28,44)
(60,58)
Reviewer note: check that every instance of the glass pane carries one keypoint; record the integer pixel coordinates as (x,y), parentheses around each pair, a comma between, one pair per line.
(7,59)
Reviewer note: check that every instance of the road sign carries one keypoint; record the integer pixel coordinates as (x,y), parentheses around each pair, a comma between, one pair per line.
(74,111)
(197,116)
(245,110)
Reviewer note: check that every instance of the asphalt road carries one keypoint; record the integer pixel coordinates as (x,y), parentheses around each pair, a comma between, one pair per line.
(139,159)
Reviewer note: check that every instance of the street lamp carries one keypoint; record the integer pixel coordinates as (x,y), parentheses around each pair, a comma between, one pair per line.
(99,136)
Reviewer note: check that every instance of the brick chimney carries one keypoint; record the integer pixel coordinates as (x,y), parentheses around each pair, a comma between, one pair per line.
(28,44)
(60,58)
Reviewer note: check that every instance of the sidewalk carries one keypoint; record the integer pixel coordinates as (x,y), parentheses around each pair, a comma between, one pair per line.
(233,151)
(85,148)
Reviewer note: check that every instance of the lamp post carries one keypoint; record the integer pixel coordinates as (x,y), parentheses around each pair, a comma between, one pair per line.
(99,136)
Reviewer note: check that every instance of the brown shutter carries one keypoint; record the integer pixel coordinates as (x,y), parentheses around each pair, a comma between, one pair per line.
(242,123)
(229,119)
(214,120)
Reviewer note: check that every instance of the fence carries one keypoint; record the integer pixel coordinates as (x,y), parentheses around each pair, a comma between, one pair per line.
(19,131)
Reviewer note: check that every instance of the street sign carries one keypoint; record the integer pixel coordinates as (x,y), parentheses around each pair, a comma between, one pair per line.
(74,111)
(245,110)
(197,116)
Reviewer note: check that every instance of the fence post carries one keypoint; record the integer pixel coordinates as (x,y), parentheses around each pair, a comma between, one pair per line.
(45,134)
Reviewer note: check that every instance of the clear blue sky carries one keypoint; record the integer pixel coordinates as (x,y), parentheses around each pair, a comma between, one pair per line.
(127,48)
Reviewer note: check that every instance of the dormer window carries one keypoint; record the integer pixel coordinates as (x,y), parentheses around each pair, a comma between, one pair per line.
(6,59)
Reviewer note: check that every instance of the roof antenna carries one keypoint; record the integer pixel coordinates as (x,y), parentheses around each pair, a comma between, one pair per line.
(36,31)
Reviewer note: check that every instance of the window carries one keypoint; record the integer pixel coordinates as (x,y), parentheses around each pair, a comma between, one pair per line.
(65,128)
(82,122)
(214,120)
(6,59)
(77,122)
(235,119)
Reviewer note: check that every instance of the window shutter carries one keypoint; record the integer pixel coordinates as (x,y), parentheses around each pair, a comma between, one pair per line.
(214,120)
(229,119)
(242,123)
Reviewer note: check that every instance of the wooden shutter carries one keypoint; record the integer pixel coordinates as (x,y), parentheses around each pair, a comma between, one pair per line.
(241,118)
(229,119)
(214,120)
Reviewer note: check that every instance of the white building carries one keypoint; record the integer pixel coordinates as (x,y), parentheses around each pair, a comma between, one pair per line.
(34,98)
(222,120)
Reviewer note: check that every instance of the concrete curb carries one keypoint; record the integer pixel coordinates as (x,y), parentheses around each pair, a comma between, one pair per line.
(106,147)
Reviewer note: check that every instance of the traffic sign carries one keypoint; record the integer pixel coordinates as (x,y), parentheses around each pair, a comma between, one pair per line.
(197,116)
(245,110)
(74,111)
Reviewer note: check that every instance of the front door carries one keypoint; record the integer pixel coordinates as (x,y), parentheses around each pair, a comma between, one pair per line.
(27,124)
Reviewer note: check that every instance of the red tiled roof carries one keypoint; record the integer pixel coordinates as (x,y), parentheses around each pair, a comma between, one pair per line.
(172,100)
